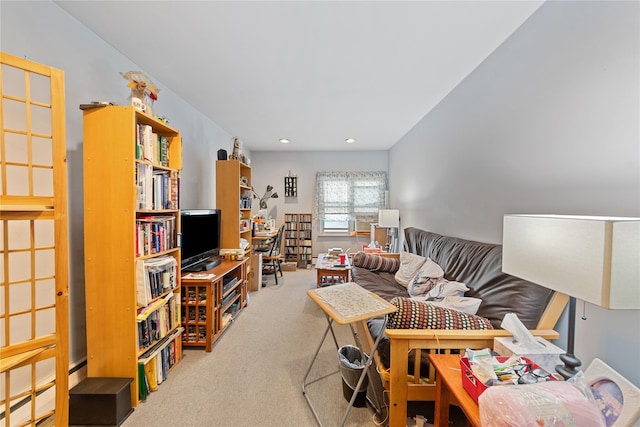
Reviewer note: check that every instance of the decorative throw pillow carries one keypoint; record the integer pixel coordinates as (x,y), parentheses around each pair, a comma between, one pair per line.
(422,315)
(446,288)
(425,279)
(375,262)
(409,266)
(467,305)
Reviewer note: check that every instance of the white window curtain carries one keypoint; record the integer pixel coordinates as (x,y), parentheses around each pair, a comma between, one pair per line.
(345,197)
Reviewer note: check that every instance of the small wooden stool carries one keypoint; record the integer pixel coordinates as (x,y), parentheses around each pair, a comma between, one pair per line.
(100,401)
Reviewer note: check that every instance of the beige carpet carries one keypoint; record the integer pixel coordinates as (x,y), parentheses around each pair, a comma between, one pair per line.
(253,376)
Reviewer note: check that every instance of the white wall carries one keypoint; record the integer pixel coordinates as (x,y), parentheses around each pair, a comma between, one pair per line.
(549,123)
(269,167)
(44,33)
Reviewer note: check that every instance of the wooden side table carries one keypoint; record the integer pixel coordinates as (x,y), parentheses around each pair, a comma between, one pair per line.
(327,274)
(449,390)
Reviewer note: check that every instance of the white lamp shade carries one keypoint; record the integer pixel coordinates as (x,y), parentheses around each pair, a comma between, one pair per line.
(389,218)
(595,259)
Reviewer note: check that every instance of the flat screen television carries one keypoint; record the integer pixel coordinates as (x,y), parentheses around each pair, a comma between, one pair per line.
(200,241)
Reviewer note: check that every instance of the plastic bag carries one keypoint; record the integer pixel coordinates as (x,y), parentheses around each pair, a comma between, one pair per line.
(551,403)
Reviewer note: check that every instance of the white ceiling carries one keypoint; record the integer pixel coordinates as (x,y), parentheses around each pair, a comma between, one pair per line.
(315,72)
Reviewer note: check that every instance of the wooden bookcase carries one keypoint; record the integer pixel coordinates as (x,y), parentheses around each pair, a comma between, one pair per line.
(209,304)
(116,243)
(233,198)
(298,238)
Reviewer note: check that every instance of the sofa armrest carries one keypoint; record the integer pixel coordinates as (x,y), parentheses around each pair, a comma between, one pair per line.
(451,336)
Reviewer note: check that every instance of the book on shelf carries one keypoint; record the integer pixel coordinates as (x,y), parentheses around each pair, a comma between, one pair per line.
(145,142)
(144,186)
(159,368)
(155,234)
(150,146)
(143,384)
(156,189)
(174,190)
(154,365)
(154,277)
(157,320)
(150,374)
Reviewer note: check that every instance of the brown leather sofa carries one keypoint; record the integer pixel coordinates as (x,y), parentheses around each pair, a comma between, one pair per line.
(477,265)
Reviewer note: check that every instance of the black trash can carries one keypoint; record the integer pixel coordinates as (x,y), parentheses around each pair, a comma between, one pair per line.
(351,367)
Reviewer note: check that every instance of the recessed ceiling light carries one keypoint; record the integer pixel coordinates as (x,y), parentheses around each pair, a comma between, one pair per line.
(350,140)
(284,140)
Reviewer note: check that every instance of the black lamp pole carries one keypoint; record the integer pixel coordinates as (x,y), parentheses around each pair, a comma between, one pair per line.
(571,362)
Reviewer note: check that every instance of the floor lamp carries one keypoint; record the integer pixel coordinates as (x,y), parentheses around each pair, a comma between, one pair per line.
(594,259)
(390,218)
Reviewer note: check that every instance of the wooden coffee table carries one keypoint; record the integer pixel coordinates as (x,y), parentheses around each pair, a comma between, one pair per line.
(327,274)
(449,390)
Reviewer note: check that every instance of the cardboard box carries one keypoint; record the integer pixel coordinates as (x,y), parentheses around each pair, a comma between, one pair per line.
(547,355)
(289,266)
(368,250)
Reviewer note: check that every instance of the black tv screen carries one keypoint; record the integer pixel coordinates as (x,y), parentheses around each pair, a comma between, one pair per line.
(200,230)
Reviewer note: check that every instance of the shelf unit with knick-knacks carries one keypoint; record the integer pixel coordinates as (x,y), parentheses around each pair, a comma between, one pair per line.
(233,198)
(290,186)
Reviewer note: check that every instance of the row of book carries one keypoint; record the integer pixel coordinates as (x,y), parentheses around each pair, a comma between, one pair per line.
(156,320)
(150,146)
(155,234)
(154,365)
(301,217)
(305,234)
(156,189)
(155,277)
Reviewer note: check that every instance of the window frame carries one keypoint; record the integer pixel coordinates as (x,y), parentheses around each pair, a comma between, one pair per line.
(363,195)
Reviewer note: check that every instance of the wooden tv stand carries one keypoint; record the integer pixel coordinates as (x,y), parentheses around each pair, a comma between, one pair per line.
(210,302)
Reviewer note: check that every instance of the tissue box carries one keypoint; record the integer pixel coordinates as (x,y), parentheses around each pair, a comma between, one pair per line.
(547,355)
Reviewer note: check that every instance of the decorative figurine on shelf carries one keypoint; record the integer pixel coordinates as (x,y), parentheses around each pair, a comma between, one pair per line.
(269,194)
(143,91)
(235,154)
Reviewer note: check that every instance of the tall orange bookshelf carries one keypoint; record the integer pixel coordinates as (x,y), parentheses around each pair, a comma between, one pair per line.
(132,165)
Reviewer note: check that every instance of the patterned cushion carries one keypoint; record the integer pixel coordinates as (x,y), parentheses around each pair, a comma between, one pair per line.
(422,315)
(375,262)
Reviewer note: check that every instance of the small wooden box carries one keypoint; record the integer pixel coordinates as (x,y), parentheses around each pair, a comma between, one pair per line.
(100,401)
(290,266)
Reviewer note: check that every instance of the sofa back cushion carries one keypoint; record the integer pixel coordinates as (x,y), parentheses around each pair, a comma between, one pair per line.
(379,282)
(479,266)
